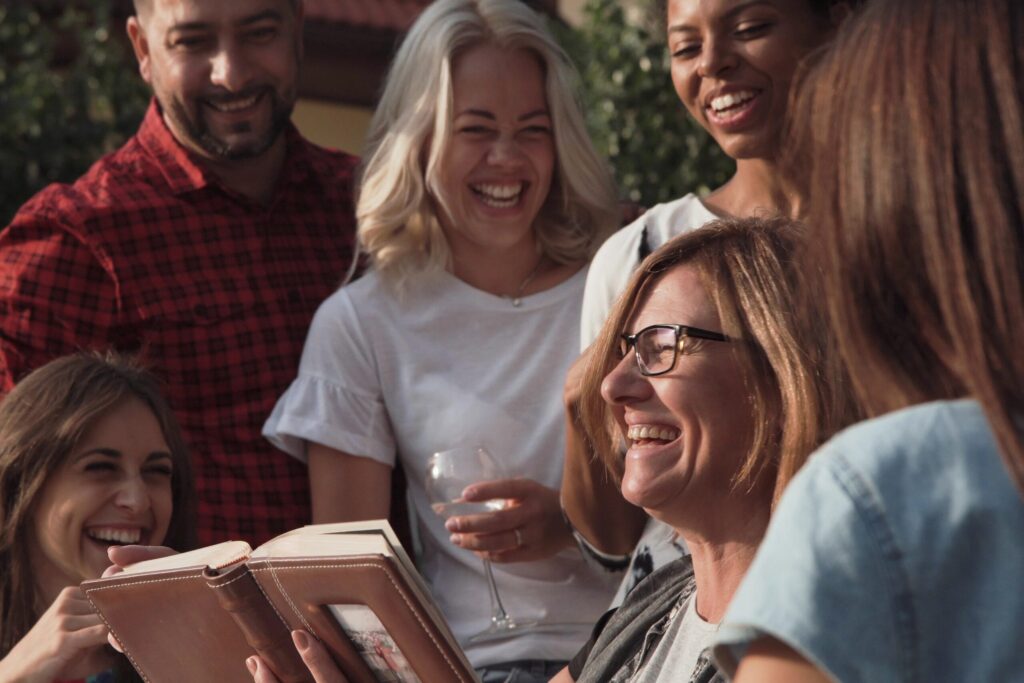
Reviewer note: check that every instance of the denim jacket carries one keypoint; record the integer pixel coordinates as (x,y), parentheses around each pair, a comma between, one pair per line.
(901,546)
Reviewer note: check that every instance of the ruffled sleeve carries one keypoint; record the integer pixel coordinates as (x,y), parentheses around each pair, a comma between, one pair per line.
(336,400)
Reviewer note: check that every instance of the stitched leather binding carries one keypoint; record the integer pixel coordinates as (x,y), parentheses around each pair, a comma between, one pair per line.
(350,585)
(262,627)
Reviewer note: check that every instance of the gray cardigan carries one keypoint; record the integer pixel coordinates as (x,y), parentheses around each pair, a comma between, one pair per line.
(624,638)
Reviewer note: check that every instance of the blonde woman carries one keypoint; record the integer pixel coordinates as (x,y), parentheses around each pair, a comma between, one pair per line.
(481,203)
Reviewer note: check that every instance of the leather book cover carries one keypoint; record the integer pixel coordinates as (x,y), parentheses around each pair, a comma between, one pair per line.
(367,602)
(350,585)
(172,627)
(264,631)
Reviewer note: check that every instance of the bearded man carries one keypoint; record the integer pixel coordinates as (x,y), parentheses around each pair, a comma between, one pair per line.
(205,244)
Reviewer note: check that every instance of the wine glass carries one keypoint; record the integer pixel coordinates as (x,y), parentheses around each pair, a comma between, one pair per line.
(448,474)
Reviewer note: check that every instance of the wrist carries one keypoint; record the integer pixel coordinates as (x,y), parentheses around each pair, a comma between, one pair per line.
(10,672)
(607,561)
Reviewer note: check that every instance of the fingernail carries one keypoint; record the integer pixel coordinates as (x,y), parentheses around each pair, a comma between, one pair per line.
(468,492)
(301,640)
(451,525)
(456,539)
(250,664)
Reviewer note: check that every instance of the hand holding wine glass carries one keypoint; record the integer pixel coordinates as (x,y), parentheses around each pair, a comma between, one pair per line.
(530,527)
(448,474)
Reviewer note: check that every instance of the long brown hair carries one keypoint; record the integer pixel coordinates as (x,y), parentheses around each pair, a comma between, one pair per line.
(41,421)
(908,141)
(797,396)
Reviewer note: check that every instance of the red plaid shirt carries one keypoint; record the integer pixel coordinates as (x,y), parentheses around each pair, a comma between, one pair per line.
(148,252)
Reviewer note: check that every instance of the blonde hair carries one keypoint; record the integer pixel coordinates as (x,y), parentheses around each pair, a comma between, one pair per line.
(399,193)
(798,396)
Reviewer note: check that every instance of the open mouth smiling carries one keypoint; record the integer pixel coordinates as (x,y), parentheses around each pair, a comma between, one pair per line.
(230,105)
(501,196)
(728,106)
(651,435)
(115,535)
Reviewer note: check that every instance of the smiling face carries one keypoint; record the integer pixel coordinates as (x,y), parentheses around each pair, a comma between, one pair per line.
(114,487)
(733,62)
(224,73)
(496,168)
(688,430)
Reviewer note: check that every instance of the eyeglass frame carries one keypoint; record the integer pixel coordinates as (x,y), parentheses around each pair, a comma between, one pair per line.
(681,332)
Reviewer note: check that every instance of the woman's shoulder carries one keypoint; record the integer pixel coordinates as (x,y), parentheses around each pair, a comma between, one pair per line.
(656,226)
(673,580)
(885,525)
(363,296)
(922,441)
(665,221)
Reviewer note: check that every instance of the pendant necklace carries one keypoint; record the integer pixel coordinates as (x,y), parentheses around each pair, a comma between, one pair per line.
(517,298)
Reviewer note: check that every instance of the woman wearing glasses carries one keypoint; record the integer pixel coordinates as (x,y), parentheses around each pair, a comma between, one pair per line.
(481,202)
(731,65)
(714,385)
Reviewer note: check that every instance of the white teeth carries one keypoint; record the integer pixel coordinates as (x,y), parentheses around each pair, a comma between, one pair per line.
(115,535)
(500,196)
(235,105)
(723,102)
(643,432)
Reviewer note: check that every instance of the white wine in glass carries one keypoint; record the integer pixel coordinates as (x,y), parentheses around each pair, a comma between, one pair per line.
(448,474)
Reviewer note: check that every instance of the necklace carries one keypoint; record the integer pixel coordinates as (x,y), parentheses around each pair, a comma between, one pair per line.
(517,298)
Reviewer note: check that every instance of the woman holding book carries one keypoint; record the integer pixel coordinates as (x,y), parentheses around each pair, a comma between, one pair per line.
(896,553)
(481,203)
(90,457)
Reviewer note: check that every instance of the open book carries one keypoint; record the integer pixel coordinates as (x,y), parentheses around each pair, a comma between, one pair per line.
(199,615)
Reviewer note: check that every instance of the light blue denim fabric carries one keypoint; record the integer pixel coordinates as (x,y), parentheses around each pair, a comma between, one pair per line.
(520,671)
(897,554)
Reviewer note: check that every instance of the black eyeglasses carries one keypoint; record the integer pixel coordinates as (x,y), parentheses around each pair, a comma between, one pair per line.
(658,346)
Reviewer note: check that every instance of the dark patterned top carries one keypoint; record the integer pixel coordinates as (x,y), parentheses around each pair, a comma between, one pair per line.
(148,252)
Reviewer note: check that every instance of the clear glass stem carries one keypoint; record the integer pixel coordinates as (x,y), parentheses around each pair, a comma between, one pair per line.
(499,617)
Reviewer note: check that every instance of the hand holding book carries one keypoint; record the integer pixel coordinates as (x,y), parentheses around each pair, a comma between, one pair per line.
(314,655)
(199,616)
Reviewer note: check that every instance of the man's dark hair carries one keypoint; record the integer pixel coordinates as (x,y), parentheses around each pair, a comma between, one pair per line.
(142,7)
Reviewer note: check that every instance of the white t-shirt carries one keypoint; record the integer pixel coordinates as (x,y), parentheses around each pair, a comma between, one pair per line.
(619,256)
(676,654)
(444,365)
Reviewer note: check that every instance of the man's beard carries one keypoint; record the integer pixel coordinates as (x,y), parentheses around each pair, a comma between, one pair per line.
(199,134)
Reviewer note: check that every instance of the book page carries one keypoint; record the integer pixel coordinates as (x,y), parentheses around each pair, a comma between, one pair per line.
(217,556)
(316,545)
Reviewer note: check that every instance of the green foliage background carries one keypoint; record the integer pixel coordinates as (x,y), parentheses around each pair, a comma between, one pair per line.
(68,94)
(657,151)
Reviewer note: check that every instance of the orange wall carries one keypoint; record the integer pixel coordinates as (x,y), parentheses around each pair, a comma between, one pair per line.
(334,125)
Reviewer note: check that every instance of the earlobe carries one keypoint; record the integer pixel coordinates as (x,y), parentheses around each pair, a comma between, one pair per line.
(137,37)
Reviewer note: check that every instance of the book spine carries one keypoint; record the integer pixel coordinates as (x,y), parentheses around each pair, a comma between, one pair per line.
(240,596)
